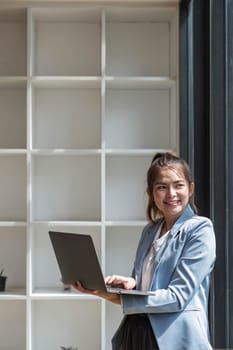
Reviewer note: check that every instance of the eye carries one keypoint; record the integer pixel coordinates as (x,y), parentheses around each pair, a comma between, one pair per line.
(180,185)
(160,187)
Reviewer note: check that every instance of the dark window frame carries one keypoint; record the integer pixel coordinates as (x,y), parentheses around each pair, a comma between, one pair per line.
(206,137)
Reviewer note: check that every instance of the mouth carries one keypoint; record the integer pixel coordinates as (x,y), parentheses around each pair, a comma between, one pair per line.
(172,203)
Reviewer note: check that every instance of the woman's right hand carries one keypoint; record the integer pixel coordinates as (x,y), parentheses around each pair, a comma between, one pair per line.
(121,281)
(113,297)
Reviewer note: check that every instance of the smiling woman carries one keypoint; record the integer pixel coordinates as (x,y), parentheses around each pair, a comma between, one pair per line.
(174,261)
(171,195)
(170,188)
(176,174)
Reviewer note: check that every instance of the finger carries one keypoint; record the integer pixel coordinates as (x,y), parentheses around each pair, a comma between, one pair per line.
(79,285)
(107,279)
(114,279)
(81,289)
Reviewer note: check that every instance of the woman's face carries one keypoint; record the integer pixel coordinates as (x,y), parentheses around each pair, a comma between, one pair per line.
(171,192)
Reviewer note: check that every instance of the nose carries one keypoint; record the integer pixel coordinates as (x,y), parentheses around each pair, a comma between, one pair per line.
(171,191)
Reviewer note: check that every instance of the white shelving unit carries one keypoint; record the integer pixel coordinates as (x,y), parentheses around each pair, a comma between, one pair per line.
(88,94)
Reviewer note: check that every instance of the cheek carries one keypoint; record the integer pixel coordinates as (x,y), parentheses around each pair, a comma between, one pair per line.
(187,195)
(157,197)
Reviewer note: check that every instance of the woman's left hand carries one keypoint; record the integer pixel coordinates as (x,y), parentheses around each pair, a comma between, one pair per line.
(121,281)
(112,297)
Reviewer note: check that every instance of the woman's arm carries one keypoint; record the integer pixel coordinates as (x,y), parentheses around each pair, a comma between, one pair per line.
(116,280)
(194,265)
(112,297)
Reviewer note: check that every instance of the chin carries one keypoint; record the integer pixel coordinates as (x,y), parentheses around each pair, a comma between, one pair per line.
(177,211)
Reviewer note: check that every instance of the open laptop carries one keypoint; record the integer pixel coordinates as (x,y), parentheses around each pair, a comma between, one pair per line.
(78,261)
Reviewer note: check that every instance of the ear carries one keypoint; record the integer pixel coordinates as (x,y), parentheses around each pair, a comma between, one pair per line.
(191,189)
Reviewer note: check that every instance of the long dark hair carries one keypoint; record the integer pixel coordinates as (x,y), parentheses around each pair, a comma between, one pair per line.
(159,161)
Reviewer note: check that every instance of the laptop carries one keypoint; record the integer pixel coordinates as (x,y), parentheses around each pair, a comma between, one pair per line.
(77,260)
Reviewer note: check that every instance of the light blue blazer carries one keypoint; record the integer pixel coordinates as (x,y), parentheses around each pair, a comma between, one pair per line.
(178,308)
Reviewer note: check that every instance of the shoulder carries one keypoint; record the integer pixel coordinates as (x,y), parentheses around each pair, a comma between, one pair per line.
(199,227)
(149,229)
(197,221)
(152,226)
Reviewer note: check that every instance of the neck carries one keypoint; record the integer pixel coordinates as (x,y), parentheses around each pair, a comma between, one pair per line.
(166,227)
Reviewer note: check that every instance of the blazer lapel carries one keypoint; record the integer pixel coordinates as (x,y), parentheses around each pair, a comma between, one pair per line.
(188,213)
(149,239)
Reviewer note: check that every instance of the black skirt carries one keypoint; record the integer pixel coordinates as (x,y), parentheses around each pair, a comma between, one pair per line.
(136,334)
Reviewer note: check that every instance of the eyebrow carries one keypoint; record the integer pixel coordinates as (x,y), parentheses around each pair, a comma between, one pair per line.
(164,183)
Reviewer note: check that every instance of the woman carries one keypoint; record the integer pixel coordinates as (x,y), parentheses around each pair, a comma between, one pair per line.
(174,259)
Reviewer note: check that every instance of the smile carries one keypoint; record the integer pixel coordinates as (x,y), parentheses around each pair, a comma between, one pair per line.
(172,203)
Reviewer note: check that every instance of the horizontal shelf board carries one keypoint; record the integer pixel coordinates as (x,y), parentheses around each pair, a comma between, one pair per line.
(140,82)
(13,294)
(67,223)
(89,82)
(125,223)
(13,224)
(12,151)
(90,223)
(83,152)
(16,81)
(108,151)
(66,81)
(111,82)
(135,151)
(87,13)
(55,293)
(52,152)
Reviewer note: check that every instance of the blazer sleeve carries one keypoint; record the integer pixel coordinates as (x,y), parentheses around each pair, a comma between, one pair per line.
(193,267)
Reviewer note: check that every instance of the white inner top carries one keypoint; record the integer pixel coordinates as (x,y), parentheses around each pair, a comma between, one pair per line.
(149,262)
